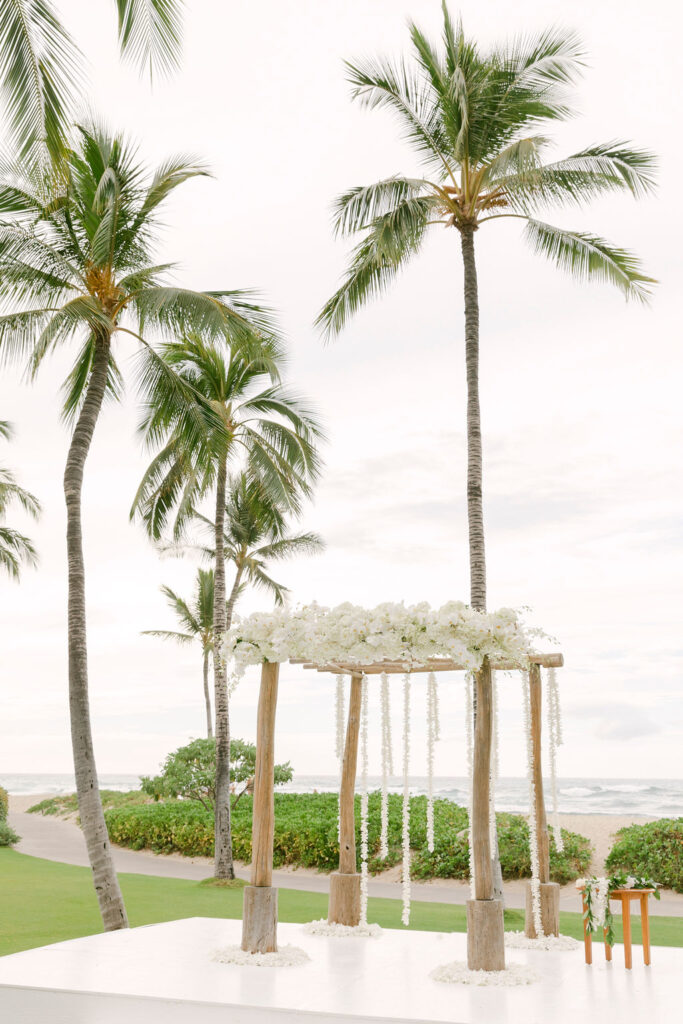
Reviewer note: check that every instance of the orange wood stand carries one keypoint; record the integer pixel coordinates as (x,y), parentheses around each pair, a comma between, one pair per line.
(625,895)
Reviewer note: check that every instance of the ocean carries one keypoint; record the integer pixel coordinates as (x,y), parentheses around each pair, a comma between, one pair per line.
(661,798)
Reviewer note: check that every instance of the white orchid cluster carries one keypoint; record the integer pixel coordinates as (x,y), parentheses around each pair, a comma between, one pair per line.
(555,739)
(361,636)
(469,731)
(433,732)
(405,873)
(533,824)
(387,763)
(364,803)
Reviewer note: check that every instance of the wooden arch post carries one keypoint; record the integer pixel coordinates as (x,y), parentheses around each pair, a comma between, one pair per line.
(344,905)
(259,918)
(550,891)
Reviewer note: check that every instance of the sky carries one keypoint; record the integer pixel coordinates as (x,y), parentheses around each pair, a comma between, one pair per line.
(582,415)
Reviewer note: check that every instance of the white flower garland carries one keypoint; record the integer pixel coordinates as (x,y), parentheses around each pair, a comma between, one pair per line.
(364,802)
(555,740)
(550,943)
(387,763)
(339,740)
(469,732)
(493,771)
(361,636)
(343,931)
(286,956)
(458,973)
(432,737)
(533,825)
(405,915)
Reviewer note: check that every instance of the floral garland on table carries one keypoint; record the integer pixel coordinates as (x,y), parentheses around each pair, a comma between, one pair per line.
(533,824)
(361,636)
(433,732)
(364,802)
(339,738)
(469,732)
(555,740)
(387,763)
(597,892)
(405,914)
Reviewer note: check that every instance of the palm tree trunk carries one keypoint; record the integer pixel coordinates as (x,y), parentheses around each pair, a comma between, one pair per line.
(207,696)
(475,507)
(94,828)
(223,865)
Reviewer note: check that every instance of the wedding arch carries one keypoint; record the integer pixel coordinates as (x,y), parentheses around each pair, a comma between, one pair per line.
(392,640)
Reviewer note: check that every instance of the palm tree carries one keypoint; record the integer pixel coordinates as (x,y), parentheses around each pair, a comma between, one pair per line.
(260,422)
(77,257)
(197,622)
(40,70)
(475,121)
(15,548)
(256,533)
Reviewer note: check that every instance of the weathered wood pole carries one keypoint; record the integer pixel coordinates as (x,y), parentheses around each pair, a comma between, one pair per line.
(550,891)
(344,905)
(259,919)
(485,928)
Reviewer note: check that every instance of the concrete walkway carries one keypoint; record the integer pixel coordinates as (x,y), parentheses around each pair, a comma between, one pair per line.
(55,839)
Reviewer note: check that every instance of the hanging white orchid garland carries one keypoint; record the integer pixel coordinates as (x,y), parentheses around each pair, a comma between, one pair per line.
(469,724)
(405,915)
(339,739)
(387,763)
(555,740)
(493,770)
(432,737)
(533,824)
(364,802)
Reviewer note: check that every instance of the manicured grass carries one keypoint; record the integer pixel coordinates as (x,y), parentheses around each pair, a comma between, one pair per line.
(42,901)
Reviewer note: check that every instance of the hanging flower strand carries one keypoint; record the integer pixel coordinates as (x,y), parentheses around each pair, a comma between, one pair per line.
(555,739)
(339,738)
(364,803)
(405,915)
(469,732)
(533,824)
(387,765)
(432,736)
(493,770)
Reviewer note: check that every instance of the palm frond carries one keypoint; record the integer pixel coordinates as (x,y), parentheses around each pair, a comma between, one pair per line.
(150,33)
(15,550)
(356,209)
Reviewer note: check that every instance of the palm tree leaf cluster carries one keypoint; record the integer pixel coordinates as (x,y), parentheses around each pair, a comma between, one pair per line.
(15,548)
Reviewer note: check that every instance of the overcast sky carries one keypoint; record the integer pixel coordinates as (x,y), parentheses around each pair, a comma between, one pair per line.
(581,399)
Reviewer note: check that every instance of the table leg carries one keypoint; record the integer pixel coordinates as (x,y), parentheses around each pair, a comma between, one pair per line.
(645,925)
(587,937)
(608,948)
(626,920)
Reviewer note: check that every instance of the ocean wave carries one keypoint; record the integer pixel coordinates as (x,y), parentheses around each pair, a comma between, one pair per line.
(577,791)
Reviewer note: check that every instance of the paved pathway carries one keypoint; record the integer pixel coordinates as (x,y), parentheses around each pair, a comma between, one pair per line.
(55,839)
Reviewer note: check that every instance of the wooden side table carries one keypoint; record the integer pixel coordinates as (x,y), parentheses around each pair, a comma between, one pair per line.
(626,896)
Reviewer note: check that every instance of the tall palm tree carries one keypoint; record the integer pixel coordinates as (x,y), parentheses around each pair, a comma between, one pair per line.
(197,622)
(40,65)
(256,534)
(15,548)
(476,122)
(261,422)
(77,258)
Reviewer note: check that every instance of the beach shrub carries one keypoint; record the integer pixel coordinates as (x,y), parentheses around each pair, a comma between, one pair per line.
(306,835)
(190,772)
(67,803)
(8,836)
(653,849)
(4,804)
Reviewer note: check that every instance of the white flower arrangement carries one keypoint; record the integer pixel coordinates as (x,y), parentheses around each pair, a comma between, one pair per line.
(458,973)
(432,737)
(548,943)
(405,914)
(343,931)
(364,802)
(286,956)
(469,732)
(360,636)
(554,741)
(387,763)
(533,824)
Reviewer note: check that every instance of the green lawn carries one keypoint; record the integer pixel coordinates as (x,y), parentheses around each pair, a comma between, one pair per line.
(42,901)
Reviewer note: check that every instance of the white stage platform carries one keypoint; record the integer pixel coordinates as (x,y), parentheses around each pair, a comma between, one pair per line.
(163,973)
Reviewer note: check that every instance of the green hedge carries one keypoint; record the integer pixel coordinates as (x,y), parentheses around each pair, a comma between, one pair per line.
(4,804)
(654,849)
(306,835)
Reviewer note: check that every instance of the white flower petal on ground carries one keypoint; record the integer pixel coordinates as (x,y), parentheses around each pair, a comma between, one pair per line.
(286,956)
(458,973)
